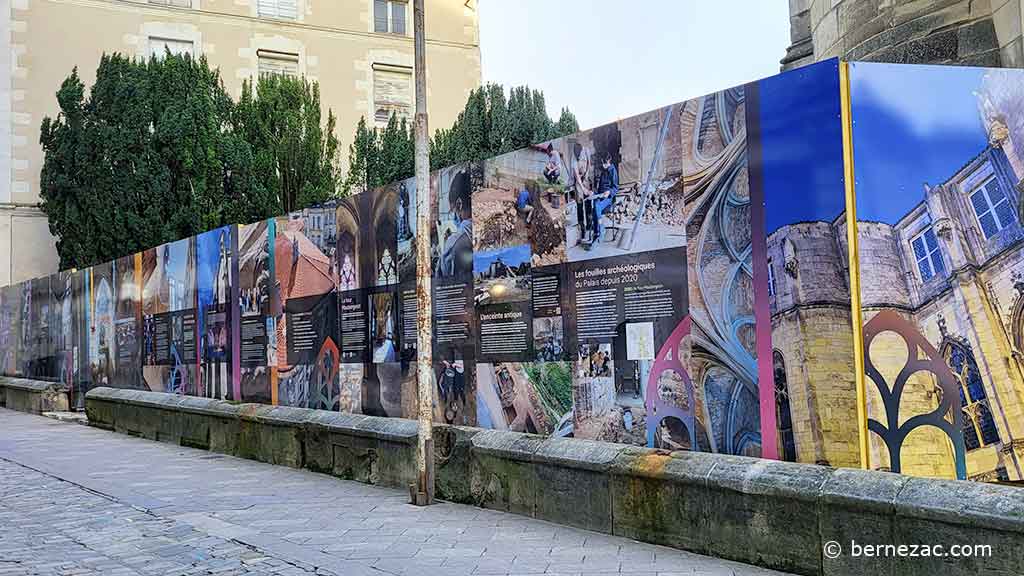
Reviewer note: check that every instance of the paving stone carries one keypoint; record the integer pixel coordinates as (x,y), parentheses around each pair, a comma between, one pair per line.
(113,505)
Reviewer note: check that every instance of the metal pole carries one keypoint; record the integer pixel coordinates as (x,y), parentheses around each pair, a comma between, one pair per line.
(424,493)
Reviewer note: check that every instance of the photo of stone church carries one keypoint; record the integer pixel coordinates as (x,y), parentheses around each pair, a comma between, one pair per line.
(938,167)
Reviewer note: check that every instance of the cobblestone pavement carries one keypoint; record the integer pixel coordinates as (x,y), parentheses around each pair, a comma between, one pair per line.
(80,501)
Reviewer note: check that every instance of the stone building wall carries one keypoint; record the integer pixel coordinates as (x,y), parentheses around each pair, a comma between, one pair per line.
(966,32)
(978,303)
(815,344)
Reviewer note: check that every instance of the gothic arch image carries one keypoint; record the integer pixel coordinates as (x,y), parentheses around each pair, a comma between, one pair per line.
(723,363)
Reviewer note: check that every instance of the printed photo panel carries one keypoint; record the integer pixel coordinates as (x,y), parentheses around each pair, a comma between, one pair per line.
(805,362)
(100,288)
(406,227)
(215,316)
(42,306)
(255,357)
(169,328)
(83,323)
(63,334)
(621,317)
(938,165)
(532,397)
(305,256)
(624,188)
(372,371)
(452,255)
(26,336)
(10,329)
(715,402)
(128,322)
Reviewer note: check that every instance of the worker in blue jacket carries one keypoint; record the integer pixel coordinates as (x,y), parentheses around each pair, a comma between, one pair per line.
(604,197)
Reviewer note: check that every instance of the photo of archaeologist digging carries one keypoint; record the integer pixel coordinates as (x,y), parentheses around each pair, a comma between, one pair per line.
(502,276)
(533,397)
(624,189)
(522,202)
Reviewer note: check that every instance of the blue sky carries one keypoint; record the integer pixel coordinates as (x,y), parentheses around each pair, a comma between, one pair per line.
(912,124)
(610,59)
(802,146)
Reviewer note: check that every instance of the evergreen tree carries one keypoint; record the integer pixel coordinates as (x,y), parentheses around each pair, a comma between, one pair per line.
(295,156)
(566,123)
(491,125)
(157,151)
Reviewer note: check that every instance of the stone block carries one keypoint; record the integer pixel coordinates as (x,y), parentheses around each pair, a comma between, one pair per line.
(862,20)
(573,486)
(859,506)
(503,476)
(1011,56)
(1007,21)
(765,512)
(355,458)
(279,433)
(34,396)
(939,13)
(976,38)
(157,416)
(661,497)
(100,409)
(949,513)
(990,59)
(453,463)
(194,422)
(127,419)
(935,48)
(225,426)
(395,445)
(319,451)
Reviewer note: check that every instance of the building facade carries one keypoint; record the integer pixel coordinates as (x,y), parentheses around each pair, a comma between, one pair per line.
(360,51)
(968,32)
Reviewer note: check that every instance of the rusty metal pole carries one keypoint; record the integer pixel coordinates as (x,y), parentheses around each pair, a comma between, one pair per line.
(424,493)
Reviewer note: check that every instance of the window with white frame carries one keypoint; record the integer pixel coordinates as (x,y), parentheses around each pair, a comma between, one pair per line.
(278,63)
(392,93)
(389,16)
(992,207)
(159,47)
(927,255)
(771,277)
(176,3)
(286,9)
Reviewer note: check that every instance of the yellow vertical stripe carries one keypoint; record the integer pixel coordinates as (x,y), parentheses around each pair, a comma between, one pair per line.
(856,318)
(138,284)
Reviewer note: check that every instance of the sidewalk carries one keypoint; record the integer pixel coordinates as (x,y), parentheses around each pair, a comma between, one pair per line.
(82,501)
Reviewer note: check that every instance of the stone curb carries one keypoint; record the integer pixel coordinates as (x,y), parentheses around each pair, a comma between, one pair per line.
(33,396)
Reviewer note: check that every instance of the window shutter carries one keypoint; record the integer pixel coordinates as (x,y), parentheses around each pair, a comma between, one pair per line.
(280,64)
(268,8)
(158,47)
(287,9)
(279,9)
(392,92)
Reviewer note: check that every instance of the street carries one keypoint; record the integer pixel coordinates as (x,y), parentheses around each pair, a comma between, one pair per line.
(79,501)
